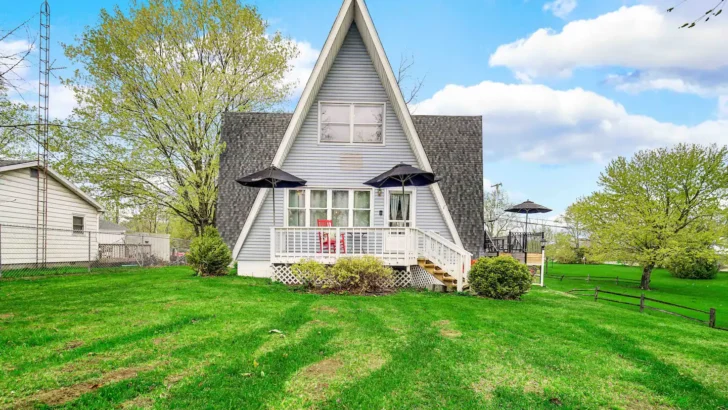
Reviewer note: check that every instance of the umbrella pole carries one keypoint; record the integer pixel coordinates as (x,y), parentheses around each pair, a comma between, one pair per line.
(274,205)
(525,238)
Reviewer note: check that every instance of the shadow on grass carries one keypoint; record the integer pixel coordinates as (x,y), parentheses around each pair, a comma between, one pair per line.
(109,343)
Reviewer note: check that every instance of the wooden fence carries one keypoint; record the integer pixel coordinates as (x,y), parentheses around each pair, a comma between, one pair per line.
(591,278)
(595,293)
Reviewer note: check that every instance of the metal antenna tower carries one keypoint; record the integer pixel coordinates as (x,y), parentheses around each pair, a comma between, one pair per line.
(44,70)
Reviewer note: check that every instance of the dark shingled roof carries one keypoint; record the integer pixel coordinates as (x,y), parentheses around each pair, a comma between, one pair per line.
(454,146)
(105,225)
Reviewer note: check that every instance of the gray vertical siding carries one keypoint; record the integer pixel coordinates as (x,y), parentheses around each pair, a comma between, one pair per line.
(352,78)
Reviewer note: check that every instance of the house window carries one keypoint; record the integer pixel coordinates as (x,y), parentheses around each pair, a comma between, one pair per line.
(77,224)
(362,208)
(351,123)
(343,207)
(33,173)
(296,207)
(319,205)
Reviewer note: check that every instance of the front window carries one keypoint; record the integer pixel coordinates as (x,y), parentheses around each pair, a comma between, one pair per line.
(337,207)
(355,123)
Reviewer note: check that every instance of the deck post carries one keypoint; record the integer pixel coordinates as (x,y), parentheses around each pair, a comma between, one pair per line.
(543,264)
(337,238)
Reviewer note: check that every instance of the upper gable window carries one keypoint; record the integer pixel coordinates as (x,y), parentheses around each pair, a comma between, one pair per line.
(351,123)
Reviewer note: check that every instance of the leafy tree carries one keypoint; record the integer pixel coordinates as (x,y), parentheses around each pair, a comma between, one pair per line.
(657,203)
(573,227)
(155,83)
(14,142)
(562,250)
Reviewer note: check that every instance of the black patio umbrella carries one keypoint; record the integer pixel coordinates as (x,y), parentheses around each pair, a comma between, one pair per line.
(527,208)
(271,177)
(402,175)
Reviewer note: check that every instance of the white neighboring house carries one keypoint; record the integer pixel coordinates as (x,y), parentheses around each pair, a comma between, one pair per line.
(72,214)
(111,233)
(114,234)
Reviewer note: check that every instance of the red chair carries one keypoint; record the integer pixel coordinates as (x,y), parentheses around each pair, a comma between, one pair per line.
(325,242)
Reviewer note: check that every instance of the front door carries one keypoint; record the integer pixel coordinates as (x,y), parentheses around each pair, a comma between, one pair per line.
(399,215)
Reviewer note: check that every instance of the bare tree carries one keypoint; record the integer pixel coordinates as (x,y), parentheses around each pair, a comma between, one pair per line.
(14,59)
(716,10)
(497,221)
(406,80)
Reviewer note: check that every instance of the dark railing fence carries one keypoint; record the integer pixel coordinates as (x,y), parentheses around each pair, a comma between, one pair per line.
(597,294)
(514,242)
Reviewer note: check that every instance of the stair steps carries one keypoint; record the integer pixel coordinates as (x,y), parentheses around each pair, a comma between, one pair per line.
(437,272)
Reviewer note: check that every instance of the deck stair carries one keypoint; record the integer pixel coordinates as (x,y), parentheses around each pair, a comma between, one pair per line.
(441,275)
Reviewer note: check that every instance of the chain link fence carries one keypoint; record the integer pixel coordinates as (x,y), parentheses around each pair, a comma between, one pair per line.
(27,251)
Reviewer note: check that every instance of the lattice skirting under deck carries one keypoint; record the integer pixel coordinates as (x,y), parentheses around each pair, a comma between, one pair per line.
(417,277)
(421,278)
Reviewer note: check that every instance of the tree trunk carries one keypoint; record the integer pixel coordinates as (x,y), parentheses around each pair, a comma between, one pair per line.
(646,275)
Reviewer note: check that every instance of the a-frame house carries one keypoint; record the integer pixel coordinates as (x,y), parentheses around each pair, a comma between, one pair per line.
(351,124)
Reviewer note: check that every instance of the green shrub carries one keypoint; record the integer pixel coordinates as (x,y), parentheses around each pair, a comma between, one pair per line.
(499,278)
(693,265)
(209,256)
(359,275)
(309,273)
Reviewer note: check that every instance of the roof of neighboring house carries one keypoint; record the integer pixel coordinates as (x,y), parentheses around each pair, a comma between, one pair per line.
(8,162)
(453,144)
(105,225)
(11,165)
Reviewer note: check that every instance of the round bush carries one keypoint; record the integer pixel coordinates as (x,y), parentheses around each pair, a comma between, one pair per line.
(500,278)
(209,256)
(689,266)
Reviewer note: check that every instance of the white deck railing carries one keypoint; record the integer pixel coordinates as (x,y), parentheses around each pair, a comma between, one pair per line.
(394,246)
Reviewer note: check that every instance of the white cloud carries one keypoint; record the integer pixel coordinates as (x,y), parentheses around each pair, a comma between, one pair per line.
(723,106)
(539,124)
(560,8)
(643,38)
(13,51)
(302,66)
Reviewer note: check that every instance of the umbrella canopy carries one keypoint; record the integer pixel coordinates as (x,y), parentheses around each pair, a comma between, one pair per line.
(271,177)
(527,208)
(402,175)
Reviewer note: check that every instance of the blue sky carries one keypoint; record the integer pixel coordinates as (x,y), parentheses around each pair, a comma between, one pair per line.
(563,85)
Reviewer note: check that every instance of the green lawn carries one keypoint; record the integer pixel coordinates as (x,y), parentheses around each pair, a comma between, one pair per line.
(699,294)
(162,338)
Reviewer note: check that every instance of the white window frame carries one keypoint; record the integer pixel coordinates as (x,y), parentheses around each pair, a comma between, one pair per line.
(413,204)
(329,205)
(352,124)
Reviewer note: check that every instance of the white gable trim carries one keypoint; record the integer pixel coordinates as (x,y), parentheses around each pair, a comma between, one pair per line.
(63,181)
(351,11)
